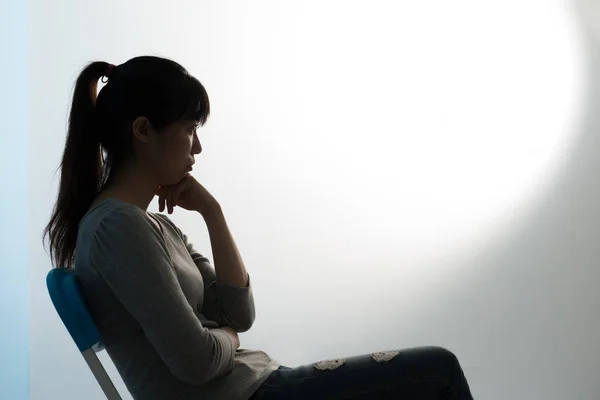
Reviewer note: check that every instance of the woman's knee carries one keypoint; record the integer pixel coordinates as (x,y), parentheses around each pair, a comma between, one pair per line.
(444,353)
(451,369)
(443,357)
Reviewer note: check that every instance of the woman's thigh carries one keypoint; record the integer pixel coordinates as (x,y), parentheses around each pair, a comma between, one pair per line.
(421,373)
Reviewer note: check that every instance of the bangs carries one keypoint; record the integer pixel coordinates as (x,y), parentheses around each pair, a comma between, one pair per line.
(190,101)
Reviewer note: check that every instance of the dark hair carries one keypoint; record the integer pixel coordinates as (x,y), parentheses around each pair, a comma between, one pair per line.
(99,137)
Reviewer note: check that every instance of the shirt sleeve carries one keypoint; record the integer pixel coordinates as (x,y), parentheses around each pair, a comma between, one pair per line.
(131,256)
(232,306)
(227,305)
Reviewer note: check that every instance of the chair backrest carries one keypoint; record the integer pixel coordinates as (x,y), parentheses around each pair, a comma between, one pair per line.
(68,301)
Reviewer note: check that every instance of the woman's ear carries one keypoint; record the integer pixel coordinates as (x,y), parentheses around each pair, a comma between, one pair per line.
(142,129)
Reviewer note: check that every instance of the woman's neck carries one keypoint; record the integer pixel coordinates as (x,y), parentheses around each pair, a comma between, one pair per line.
(131,186)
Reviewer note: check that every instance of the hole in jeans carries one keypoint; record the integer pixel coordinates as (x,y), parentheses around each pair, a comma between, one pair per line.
(329,364)
(384,356)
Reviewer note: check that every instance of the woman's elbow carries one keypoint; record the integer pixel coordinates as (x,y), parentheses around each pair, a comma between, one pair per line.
(241,323)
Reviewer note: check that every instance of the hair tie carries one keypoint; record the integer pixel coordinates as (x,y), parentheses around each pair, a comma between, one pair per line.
(106,76)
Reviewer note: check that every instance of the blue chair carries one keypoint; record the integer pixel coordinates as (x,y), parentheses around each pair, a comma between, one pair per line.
(65,293)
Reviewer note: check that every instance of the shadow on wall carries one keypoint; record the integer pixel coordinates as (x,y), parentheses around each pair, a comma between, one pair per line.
(539,282)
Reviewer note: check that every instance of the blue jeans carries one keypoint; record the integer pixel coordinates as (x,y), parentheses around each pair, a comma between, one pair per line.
(424,373)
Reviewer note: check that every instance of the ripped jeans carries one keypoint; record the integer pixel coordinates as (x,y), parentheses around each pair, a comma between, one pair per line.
(423,373)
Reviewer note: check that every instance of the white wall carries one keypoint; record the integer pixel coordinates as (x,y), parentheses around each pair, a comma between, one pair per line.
(396,174)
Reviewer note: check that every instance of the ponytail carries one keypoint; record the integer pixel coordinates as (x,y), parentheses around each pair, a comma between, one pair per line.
(80,169)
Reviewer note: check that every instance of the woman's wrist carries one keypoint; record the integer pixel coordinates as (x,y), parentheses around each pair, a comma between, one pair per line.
(212,212)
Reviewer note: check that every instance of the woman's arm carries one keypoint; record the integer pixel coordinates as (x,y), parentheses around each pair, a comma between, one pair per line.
(229,266)
(228,304)
(228,295)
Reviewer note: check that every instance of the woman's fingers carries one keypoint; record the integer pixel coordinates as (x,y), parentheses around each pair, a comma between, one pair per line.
(161,202)
(161,199)
(169,195)
(177,191)
(174,193)
(171,200)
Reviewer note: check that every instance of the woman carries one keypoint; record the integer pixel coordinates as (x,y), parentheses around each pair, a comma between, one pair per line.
(168,319)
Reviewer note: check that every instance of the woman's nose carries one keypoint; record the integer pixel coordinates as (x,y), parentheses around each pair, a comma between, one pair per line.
(196,146)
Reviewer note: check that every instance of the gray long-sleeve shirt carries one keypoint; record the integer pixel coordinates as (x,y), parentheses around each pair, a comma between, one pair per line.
(158,306)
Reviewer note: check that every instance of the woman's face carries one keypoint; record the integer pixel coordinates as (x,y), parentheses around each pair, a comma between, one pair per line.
(169,153)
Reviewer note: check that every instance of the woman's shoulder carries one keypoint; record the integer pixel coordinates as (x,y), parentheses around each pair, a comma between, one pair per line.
(102,221)
(110,211)
(114,221)
(112,225)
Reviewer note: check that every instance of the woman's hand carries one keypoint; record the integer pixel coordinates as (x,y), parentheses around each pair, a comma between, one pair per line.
(187,193)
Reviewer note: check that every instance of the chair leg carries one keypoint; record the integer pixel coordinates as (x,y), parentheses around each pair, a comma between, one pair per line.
(101,376)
